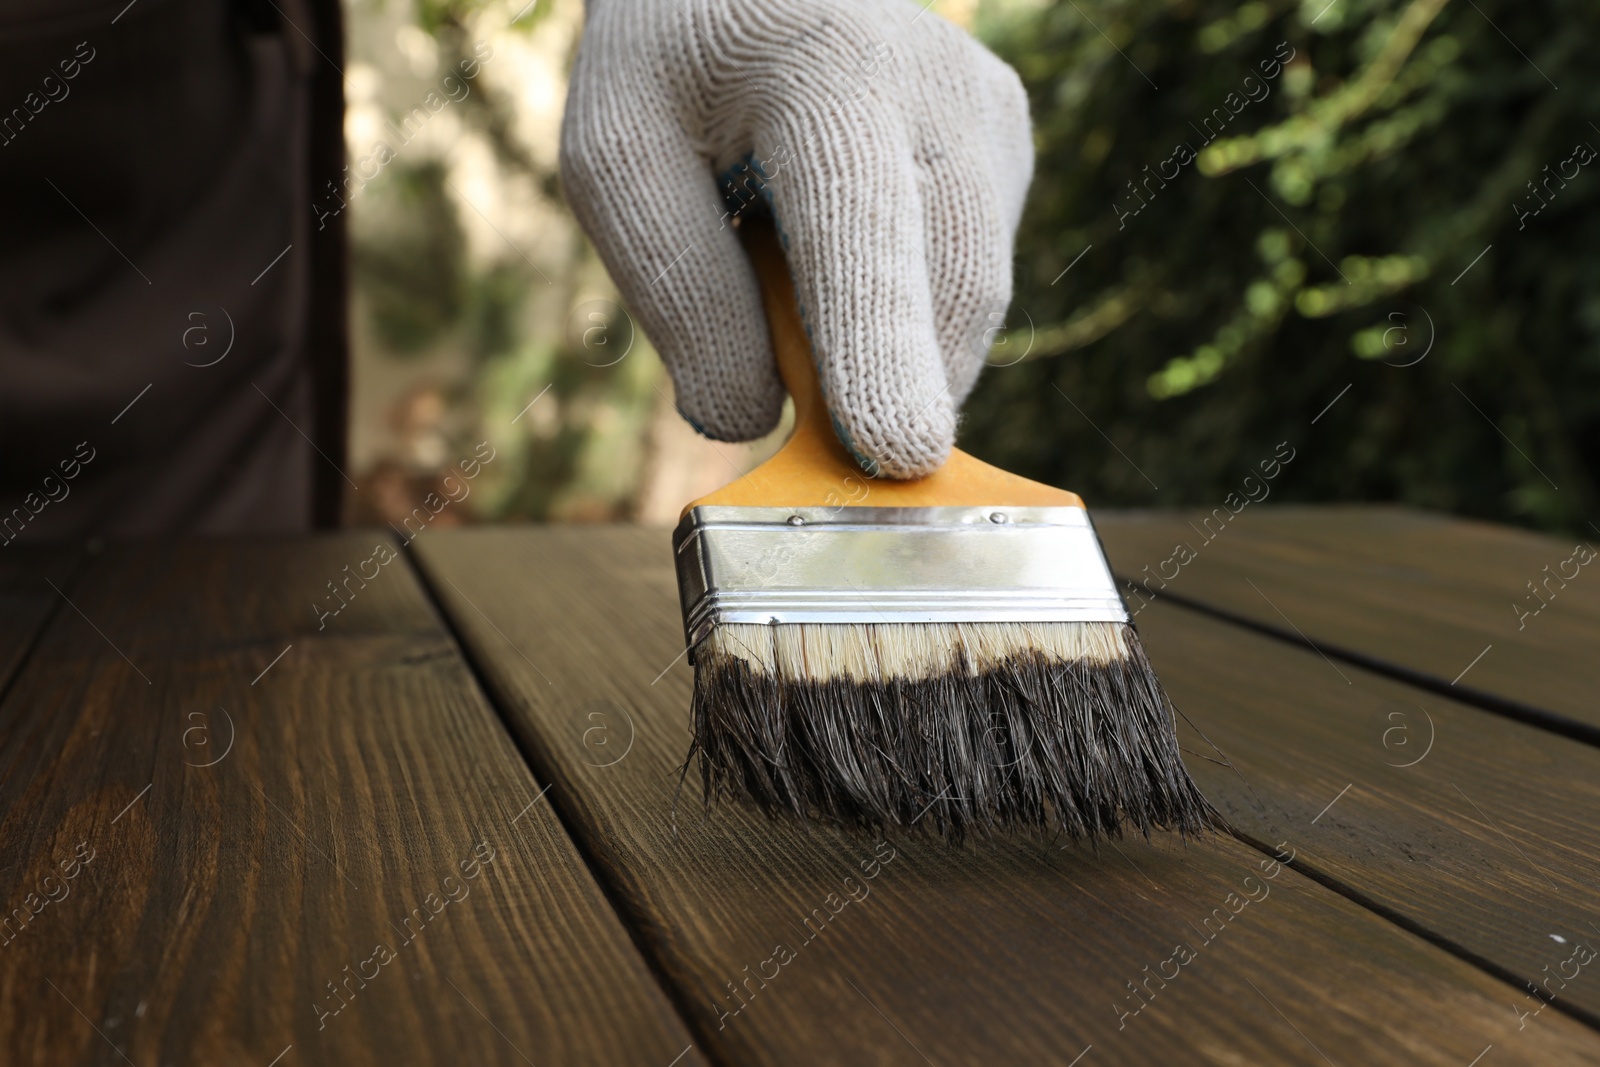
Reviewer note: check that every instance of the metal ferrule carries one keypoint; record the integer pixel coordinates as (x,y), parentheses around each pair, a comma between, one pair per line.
(890,565)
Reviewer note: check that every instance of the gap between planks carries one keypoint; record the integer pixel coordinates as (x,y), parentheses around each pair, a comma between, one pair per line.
(1411,926)
(1540,718)
(542,771)
(77,566)
(1367,904)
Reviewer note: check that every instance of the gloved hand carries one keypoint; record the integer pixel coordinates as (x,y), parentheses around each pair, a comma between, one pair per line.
(894,151)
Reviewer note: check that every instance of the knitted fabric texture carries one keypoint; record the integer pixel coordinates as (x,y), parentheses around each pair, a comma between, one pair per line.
(894,152)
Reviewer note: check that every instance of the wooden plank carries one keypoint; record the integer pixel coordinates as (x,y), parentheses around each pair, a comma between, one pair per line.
(31,579)
(1010,951)
(216,811)
(1430,593)
(1482,830)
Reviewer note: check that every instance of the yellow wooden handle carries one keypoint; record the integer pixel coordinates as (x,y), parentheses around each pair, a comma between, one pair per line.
(813,469)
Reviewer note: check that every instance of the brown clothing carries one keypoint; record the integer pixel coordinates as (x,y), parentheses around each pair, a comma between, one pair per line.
(171,317)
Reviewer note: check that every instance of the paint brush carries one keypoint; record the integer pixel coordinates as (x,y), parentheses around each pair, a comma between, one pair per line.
(948,653)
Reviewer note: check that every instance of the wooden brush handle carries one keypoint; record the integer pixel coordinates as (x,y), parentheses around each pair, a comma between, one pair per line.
(813,426)
(813,469)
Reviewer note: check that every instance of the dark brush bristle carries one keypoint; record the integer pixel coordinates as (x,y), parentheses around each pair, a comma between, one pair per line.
(1078,747)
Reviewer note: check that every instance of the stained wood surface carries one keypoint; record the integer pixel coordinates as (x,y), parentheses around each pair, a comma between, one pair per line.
(28,599)
(1481,830)
(1000,952)
(1425,592)
(221,811)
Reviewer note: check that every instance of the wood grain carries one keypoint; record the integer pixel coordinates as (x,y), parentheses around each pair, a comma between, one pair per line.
(228,812)
(1009,951)
(28,598)
(1425,592)
(1484,831)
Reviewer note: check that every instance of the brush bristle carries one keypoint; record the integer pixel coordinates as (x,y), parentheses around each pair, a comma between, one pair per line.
(952,728)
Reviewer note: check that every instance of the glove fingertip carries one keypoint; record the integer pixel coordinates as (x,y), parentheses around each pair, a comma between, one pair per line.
(910,449)
(739,404)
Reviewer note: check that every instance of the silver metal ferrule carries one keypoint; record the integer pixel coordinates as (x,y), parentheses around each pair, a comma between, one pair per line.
(890,565)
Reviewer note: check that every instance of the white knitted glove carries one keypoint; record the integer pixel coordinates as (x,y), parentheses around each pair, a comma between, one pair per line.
(893,149)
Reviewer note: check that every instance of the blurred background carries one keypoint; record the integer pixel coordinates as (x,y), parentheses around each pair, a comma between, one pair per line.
(1363,228)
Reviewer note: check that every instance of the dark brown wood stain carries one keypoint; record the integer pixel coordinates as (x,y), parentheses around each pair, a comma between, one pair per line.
(27,598)
(1490,837)
(222,904)
(999,952)
(1428,592)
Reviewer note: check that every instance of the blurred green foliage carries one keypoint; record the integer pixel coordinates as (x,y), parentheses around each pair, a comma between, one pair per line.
(411,270)
(1325,234)
(450,16)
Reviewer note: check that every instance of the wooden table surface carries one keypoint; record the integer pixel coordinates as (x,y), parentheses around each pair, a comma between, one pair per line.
(339,800)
